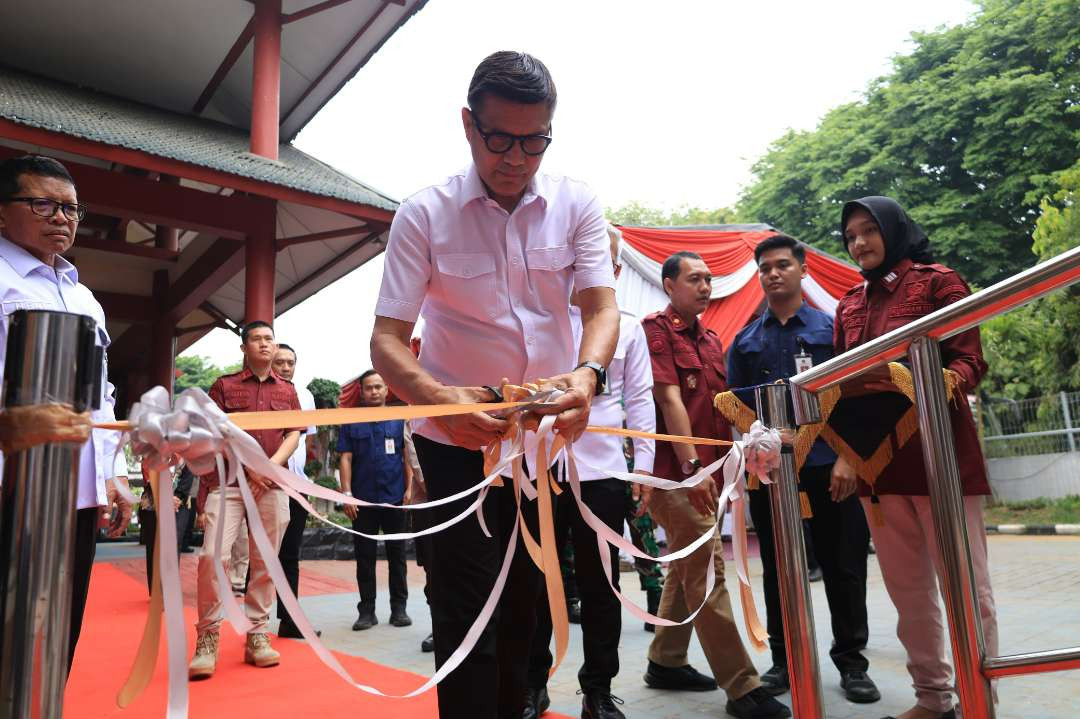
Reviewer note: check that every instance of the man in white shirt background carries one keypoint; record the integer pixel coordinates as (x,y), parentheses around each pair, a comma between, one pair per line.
(492,255)
(284,364)
(629,386)
(39,214)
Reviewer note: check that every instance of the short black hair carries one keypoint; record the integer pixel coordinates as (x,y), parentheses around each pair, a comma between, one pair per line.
(778,242)
(514,76)
(673,264)
(364,376)
(13,168)
(253,325)
(283,346)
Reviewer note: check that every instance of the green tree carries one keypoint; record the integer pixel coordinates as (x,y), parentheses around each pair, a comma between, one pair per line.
(1033,351)
(325,392)
(635,214)
(196,371)
(967,132)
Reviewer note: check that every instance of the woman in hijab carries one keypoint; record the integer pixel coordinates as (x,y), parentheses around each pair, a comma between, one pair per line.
(902,285)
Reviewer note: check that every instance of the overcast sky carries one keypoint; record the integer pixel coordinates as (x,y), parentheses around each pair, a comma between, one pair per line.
(667,103)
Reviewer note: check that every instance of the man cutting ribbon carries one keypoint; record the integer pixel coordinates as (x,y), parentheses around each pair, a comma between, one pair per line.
(491,254)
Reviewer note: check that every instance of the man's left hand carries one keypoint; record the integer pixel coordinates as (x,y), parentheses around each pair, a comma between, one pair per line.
(641,493)
(117,509)
(258,483)
(573,406)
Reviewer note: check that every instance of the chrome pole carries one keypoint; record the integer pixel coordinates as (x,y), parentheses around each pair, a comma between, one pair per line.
(792,579)
(947,506)
(46,361)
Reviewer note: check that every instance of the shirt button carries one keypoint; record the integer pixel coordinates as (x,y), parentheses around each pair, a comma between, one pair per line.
(529,340)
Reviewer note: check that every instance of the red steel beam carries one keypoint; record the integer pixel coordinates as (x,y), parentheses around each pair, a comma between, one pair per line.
(311,10)
(226,65)
(338,259)
(266,80)
(260,256)
(86,242)
(219,264)
(333,63)
(284,242)
(198,173)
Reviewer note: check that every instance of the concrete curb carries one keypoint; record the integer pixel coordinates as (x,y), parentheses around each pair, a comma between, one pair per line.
(1067,529)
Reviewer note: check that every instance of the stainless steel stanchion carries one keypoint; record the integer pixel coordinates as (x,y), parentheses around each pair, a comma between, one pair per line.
(946,502)
(51,357)
(792,578)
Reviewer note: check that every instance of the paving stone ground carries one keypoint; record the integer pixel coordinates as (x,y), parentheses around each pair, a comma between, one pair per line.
(1036,583)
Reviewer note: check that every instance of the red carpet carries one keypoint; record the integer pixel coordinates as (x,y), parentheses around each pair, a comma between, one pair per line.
(300,687)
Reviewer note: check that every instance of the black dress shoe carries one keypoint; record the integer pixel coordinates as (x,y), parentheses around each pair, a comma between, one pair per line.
(951,714)
(685,678)
(859,688)
(757,704)
(537,702)
(601,705)
(288,630)
(365,621)
(428,645)
(775,681)
(398,618)
(573,611)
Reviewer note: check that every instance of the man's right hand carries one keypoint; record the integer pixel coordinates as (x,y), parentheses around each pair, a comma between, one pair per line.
(200,521)
(474,430)
(704,497)
(350,511)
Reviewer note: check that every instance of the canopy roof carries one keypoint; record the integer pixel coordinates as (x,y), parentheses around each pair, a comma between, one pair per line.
(728,250)
(195,56)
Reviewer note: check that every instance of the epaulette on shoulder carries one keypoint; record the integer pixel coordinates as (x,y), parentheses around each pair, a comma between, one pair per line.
(653,316)
(934,267)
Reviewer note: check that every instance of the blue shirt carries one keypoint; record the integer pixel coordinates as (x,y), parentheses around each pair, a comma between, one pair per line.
(378,467)
(764,351)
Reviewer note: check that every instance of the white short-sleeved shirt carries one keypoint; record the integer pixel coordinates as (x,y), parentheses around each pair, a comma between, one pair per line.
(27,283)
(493,286)
(629,388)
(299,457)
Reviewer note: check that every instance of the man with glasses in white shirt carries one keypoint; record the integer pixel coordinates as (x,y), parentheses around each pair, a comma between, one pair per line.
(39,213)
(491,255)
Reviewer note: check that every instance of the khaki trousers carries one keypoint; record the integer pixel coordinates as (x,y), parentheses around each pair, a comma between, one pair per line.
(684,587)
(911,565)
(274,512)
(239,557)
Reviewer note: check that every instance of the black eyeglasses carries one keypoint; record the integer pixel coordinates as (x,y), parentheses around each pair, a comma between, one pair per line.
(501,142)
(44,207)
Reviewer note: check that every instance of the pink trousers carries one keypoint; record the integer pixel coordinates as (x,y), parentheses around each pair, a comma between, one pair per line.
(911,566)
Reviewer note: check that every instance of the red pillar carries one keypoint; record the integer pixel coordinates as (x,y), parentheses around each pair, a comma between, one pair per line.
(163,337)
(266,83)
(167,238)
(260,253)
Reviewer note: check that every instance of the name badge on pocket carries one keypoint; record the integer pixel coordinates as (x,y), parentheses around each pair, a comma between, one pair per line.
(803,362)
(390,445)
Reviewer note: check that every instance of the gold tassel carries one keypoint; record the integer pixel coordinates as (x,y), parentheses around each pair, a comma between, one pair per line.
(900,376)
(752,481)
(804,504)
(907,426)
(952,386)
(735,411)
(877,517)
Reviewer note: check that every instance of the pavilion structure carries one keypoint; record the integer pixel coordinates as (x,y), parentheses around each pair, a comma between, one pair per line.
(175,119)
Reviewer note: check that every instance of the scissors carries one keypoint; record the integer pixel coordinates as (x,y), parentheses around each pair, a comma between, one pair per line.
(534,400)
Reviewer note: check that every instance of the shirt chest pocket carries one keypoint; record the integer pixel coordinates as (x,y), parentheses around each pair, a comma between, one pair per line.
(548,268)
(280,401)
(854,321)
(689,366)
(465,278)
(900,315)
(818,344)
(14,305)
(238,401)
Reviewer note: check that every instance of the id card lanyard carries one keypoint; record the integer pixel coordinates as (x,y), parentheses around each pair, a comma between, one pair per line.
(803,360)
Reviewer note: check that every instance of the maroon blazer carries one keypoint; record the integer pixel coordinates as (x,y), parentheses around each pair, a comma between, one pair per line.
(913,290)
(693,359)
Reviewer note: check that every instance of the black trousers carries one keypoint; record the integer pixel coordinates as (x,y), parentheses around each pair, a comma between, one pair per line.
(85,550)
(464,564)
(289,556)
(372,520)
(601,613)
(841,541)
